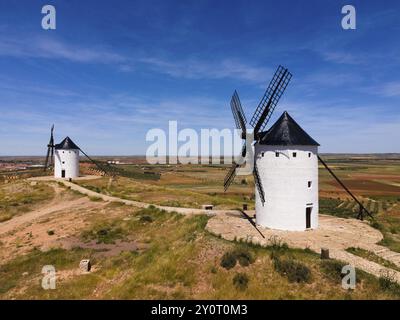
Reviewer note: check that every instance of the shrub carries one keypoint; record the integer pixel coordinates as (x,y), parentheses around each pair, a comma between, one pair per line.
(387,282)
(243,256)
(240,281)
(50,232)
(293,270)
(95,199)
(146,218)
(228,260)
(277,244)
(103,234)
(333,269)
(377,225)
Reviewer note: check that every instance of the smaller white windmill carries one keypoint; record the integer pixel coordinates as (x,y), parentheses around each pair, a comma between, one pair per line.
(64,156)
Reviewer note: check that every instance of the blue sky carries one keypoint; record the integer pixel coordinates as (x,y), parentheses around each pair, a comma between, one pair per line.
(112,70)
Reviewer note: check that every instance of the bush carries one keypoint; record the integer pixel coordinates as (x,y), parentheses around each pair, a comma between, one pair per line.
(240,255)
(241,281)
(333,269)
(95,199)
(377,225)
(50,232)
(277,244)
(228,260)
(243,256)
(293,270)
(387,282)
(146,218)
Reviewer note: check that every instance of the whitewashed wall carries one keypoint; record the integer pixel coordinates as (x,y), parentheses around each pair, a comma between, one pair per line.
(285,179)
(67,160)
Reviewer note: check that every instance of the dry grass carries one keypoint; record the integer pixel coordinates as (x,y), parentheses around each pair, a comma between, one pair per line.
(181,261)
(20,197)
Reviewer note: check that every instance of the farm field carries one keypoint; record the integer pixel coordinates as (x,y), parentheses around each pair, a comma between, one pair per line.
(153,254)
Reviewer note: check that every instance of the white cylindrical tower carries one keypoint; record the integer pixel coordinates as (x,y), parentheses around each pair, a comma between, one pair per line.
(66,159)
(287,162)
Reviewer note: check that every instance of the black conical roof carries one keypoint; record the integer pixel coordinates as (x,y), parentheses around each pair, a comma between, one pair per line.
(286,132)
(67,143)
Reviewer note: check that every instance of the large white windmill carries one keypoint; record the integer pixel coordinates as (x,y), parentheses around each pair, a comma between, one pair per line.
(285,164)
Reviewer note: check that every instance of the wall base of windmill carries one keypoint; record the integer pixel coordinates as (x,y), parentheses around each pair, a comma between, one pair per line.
(60,175)
(291,221)
(66,164)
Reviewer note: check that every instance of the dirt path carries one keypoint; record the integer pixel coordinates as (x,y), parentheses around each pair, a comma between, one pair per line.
(65,215)
(138,204)
(57,204)
(334,233)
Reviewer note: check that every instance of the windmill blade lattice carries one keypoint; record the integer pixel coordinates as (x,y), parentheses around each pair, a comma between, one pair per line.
(258,183)
(238,114)
(270,99)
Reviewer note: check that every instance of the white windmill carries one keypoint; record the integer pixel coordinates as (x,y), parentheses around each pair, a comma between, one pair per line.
(285,164)
(64,156)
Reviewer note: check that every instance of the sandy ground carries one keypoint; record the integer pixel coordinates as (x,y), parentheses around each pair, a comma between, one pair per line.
(64,215)
(333,233)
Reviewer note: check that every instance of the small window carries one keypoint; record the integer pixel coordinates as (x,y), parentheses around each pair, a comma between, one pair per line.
(294,154)
(309,154)
(276,154)
(262,154)
(309,183)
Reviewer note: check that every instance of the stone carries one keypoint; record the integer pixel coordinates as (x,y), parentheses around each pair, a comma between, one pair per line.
(324,253)
(85,265)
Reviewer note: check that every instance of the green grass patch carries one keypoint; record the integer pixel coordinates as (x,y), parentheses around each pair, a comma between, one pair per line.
(373,257)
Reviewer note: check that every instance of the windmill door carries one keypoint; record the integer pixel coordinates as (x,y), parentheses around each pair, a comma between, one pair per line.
(308,217)
(62,173)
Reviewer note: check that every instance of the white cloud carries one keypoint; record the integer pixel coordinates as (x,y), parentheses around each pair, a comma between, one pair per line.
(391,89)
(40,47)
(343,57)
(198,69)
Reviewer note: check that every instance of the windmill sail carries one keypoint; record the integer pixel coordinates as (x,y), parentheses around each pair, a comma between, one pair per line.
(258,183)
(50,149)
(230,176)
(270,99)
(238,114)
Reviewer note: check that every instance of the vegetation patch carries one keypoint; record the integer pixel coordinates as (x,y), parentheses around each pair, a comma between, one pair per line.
(241,255)
(295,271)
(240,281)
(333,269)
(333,207)
(104,233)
(373,257)
(387,282)
(29,267)
(20,197)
